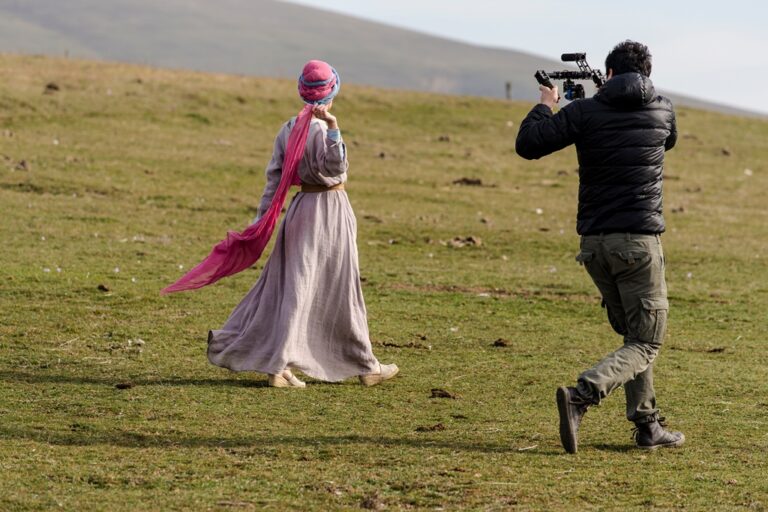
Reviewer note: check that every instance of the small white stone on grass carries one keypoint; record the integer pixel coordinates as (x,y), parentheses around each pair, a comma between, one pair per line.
(689,275)
(46,270)
(137,342)
(748,172)
(539,211)
(116,270)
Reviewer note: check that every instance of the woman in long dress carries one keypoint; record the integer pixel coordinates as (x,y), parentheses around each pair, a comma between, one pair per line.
(306,312)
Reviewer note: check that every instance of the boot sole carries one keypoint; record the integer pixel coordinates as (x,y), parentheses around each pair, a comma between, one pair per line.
(567,436)
(676,444)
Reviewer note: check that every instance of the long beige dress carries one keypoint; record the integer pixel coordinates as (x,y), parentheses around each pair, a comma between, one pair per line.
(306,312)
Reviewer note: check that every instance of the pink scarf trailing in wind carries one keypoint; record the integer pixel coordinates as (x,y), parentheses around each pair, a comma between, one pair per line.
(318,84)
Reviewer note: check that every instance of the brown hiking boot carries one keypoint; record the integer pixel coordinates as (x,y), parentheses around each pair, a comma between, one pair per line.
(652,435)
(572,407)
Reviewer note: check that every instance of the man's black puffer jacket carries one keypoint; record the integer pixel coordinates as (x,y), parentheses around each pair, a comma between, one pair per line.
(621,134)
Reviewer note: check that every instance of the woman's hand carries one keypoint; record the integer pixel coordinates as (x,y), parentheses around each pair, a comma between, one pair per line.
(321,112)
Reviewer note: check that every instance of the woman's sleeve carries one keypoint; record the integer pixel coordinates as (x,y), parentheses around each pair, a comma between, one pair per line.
(330,153)
(274,172)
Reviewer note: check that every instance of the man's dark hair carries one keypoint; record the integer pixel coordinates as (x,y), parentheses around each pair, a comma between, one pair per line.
(629,56)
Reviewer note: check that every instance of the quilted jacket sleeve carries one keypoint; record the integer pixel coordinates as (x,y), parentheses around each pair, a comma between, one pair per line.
(543,132)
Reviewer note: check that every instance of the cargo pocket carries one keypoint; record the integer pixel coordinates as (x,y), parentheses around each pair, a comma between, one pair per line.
(654,319)
(632,257)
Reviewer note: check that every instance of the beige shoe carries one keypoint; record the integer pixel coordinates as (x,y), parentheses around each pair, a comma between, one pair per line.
(386,372)
(286,380)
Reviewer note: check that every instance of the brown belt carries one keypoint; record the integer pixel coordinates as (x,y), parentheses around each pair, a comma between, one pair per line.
(306,187)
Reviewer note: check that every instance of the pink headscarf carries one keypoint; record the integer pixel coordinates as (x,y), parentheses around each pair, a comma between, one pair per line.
(318,84)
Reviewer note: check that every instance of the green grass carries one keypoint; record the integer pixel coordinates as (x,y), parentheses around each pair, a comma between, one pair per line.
(143,170)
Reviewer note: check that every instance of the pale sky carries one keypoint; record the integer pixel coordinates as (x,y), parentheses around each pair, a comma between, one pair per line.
(713,50)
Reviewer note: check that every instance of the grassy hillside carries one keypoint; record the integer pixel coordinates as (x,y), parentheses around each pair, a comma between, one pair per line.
(262,38)
(124,176)
(270,38)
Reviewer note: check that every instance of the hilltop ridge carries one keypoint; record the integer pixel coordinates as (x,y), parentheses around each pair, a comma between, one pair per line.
(271,38)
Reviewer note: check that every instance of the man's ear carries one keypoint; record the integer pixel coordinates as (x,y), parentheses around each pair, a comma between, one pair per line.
(609,73)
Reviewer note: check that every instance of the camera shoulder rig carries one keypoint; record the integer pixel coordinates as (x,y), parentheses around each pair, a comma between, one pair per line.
(572,90)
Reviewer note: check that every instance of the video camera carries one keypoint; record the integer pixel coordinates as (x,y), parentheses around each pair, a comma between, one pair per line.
(571,90)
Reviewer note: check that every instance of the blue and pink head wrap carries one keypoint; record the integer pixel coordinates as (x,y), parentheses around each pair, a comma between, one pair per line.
(318,84)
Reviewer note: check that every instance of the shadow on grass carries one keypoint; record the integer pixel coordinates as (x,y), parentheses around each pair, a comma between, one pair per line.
(173,439)
(125,439)
(34,378)
(619,448)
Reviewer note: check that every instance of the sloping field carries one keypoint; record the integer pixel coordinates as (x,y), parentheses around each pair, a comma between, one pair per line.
(119,177)
(265,38)
(269,38)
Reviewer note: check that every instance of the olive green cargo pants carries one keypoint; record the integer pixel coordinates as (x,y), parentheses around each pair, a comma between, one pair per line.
(628,269)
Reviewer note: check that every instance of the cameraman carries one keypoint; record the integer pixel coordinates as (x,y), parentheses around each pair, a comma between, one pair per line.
(621,135)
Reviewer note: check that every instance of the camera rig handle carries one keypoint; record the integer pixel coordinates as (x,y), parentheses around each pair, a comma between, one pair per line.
(543,78)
